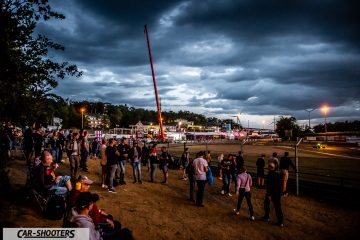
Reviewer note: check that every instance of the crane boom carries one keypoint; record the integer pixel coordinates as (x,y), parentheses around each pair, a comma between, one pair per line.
(155,87)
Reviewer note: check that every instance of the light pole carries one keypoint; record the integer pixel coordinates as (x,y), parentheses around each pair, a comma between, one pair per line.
(309,111)
(82,117)
(325,109)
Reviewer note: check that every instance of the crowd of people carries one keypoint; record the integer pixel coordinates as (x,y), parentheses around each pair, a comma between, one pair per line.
(113,155)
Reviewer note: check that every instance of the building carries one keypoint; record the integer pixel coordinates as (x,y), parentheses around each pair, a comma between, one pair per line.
(97,121)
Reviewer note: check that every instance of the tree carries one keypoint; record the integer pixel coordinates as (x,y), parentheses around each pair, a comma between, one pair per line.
(287,127)
(115,115)
(27,75)
(338,127)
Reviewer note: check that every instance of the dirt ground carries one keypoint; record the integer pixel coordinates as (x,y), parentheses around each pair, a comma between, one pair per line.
(156,211)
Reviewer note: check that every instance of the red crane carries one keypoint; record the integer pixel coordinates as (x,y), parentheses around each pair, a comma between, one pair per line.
(162,135)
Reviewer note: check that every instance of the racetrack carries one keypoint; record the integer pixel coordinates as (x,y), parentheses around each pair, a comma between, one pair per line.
(337,165)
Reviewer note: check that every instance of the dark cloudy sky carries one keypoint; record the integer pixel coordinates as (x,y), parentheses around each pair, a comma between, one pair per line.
(215,57)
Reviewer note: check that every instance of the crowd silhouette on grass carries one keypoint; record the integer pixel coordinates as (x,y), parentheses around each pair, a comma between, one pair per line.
(44,154)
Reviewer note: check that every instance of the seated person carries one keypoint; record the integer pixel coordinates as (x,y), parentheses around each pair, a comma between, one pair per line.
(79,215)
(45,180)
(82,185)
(79,218)
(98,216)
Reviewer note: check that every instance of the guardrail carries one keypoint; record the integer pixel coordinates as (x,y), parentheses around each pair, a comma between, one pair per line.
(335,189)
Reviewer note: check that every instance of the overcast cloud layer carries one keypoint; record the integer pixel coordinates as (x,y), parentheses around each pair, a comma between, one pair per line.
(216,58)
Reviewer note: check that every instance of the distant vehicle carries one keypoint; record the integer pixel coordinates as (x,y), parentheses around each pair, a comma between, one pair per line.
(319,146)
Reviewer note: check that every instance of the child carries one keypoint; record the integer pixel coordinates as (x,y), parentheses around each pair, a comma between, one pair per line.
(244,182)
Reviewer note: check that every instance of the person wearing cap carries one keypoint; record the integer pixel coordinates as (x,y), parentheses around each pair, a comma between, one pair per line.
(82,185)
(135,159)
(273,194)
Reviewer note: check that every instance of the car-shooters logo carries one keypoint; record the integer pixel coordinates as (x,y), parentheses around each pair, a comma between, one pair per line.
(46,233)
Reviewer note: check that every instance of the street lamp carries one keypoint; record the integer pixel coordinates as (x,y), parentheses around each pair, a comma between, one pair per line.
(82,117)
(325,109)
(263,122)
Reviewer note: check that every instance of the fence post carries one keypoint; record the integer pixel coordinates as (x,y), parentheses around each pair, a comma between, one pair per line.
(242,145)
(297,165)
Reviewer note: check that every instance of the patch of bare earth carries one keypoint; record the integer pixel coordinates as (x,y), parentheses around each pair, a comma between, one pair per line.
(156,211)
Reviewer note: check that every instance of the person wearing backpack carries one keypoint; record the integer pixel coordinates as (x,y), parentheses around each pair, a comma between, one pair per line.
(244,183)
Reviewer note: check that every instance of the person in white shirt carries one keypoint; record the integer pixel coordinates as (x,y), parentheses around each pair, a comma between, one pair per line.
(275,160)
(201,167)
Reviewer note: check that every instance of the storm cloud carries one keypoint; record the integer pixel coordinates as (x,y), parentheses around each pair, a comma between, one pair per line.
(217,58)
